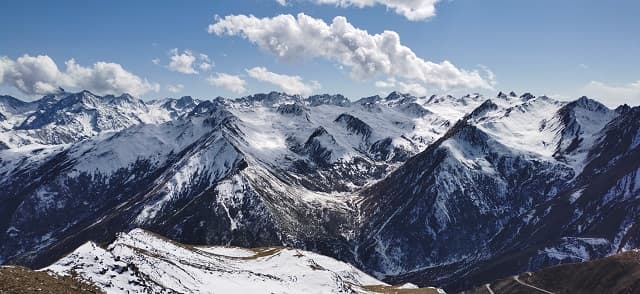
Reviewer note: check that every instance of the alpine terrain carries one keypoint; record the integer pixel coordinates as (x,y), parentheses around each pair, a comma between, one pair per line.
(334,195)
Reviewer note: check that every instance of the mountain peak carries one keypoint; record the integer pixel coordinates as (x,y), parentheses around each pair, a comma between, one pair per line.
(622,109)
(589,104)
(271,98)
(482,109)
(327,99)
(527,96)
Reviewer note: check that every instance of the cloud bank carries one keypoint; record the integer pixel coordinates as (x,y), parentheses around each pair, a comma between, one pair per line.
(411,88)
(302,37)
(175,88)
(614,95)
(228,82)
(288,84)
(40,75)
(413,10)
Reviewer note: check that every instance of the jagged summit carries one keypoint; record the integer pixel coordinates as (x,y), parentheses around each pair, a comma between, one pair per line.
(527,96)
(327,99)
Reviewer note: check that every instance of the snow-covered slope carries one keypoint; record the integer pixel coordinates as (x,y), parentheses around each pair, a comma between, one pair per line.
(141,262)
(494,198)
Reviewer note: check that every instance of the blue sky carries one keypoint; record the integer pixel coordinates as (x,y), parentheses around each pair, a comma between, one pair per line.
(562,48)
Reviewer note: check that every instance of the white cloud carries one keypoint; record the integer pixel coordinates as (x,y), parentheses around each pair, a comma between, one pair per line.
(155,61)
(205,62)
(175,88)
(614,95)
(411,9)
(289,84)
(229,82)
(411,88)
(182,62)
(205,66)
(187,61)
(300,37)
(40,75)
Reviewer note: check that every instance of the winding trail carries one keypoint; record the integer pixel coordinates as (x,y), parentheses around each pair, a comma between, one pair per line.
(488,286)
(515,278)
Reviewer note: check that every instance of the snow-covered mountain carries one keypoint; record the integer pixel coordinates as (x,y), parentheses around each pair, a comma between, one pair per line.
(65,118)
(500,194)
(141,262)
(434,190)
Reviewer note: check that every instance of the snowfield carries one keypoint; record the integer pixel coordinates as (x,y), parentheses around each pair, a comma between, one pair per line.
(142,262)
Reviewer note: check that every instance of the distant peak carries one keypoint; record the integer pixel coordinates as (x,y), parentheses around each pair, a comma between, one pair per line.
(622,109)
(588,104)
(328,99)
(271,97)
(482,109)
(527,96)
(85,92)
(186,99)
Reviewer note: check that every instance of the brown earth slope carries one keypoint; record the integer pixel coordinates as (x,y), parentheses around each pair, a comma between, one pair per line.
(614,274)
(20,280)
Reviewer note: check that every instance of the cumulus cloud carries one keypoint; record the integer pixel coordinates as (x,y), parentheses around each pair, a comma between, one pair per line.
(182,62)
(205,62)
(288,84)
(40,75)
(175,88)
(411,9)
(228,82)
(298,37)
(186,62)
(411,88)
(614,95)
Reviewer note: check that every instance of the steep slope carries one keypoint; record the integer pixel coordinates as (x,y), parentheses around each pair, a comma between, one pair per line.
(593,217)
(458,194)
(480,201)
(318,141)
(140,262)
(112,182)
(576,125)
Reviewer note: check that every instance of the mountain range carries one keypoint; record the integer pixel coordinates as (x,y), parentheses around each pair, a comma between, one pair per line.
(444,191)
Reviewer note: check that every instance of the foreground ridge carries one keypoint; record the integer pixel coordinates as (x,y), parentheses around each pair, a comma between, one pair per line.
(142,262)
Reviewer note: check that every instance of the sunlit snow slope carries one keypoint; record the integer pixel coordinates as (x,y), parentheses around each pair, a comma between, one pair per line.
(142,262)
